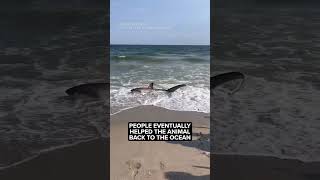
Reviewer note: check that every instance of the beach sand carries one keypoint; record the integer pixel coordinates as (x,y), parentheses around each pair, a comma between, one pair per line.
(159,159)
(245,167)
(89,160)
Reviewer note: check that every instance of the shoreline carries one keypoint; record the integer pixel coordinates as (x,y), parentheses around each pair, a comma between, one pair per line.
(159,159)
(128,108)
(225,166)
(154,160)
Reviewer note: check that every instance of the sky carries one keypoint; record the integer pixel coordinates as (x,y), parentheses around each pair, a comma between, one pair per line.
(268,3)
(160,22)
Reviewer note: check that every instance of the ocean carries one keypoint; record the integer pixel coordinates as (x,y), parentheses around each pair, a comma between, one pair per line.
(37,65)
(133,66)
(276,113)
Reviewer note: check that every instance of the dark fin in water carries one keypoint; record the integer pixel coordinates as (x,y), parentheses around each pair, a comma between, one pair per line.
(167,90)
(94,90)
(175,88)
(220,79)
(136,90)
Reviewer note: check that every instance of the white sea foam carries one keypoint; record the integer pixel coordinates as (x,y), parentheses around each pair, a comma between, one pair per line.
(166,66)
(189,98)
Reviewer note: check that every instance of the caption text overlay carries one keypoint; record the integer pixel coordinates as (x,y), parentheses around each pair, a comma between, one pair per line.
(160,131)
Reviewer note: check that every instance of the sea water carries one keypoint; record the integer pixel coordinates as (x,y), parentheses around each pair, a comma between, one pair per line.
(133,66)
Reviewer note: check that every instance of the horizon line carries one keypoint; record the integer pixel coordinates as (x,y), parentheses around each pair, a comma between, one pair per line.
(163,44)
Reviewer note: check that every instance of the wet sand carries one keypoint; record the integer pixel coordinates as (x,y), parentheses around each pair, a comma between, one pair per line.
(81,161)
(154,160)
(88,160)
(241,167)
(162,159)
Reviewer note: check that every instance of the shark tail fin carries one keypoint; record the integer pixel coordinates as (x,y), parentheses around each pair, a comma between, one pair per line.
(174,88)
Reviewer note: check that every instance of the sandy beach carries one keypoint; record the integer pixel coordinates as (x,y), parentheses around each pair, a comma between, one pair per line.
(154,160)
(249,167)
(81,161)
(89,161)
(162,159)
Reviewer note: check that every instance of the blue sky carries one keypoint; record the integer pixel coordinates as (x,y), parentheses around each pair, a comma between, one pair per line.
(165,22)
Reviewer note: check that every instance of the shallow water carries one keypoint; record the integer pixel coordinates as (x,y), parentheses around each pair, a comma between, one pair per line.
(37,65)
(276,112)
(135,66)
